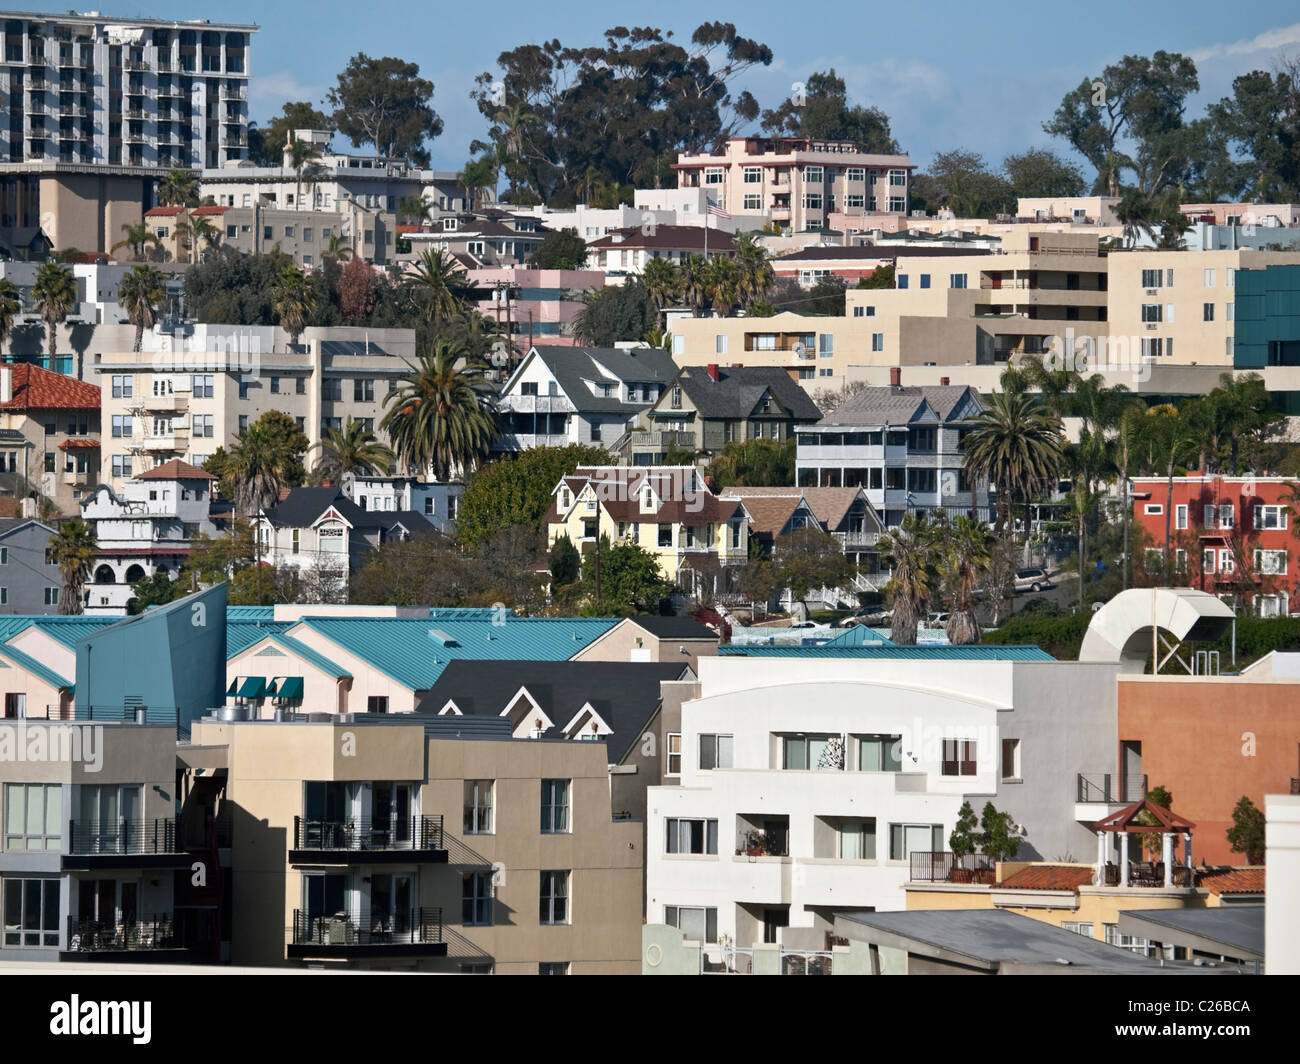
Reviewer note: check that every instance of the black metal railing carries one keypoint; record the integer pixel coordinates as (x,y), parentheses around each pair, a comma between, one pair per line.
(121,936)
(1109,788)
(937,866)
(124,836)
(400,927)
(365,833)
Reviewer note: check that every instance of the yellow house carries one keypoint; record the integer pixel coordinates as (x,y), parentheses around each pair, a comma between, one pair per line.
(1064,895)
(667,510)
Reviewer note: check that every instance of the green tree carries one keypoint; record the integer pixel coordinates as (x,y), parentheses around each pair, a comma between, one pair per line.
(961,181)
(197,230)
(1015,444)
(351,450)
(385,102)
(880,277)
(298,114)
(478,177)
(10,307)
(259,463)
(1171,439)
(723,285)
(55,293)
(293,301)
(828,296)
(302,154)
(964,556)
(821,111)
(213,559)
(141,295)
(442,414)
(180,188)
(73,548)
(1247,832)
(565,562)
(435,283)
(137,238)
(999,834)
(965,835)
(1260,122)
(615,313)
(156,590)
(629,581)
(663,283)
(754,464)
(806,559)
(1040,173)
(517,490)
(561,249)
(909,553)
(754,266)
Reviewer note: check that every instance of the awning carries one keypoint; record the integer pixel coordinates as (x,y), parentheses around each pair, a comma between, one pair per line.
(79,444)
(252,687)
(234,686)
(290,687)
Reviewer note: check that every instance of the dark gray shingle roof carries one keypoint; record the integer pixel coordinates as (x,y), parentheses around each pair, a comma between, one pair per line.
(738,389)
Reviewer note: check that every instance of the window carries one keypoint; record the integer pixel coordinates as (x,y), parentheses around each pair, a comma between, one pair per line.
(203,426)
(853,199)
(1153,509)
(753,175)
(809,752)
(665,535)
(1169,278)
(1080,927)
(814,174)
(1152,312)
(1207,312)
(332,389)
(1270,562)
(691,836)
(812,201)
(377,704)
(1011,759)
(674,765)
(1180,517)
(1229,313)
(307,233)
(478,807)
(897,204)
(289,232)
(1267,517)
(858,840)
(33,811)
(958,757)
(907,839)
(476,899)
(122,465)
(720,343)
(714,175)
(51,599)
(363,390)
(1209,277)
(301,385)
(1207,560)
(925,280)
(202,385)
(754,202)
(897,177)
(555,806)
(122,428)
(855,173)
(31,912)
(715,752)
(243,424)
(162,386)
(554,907)
(1152,278)
(956,280)
(877,341)
(1227,515)
(697,924)
(880,753)
(123,387)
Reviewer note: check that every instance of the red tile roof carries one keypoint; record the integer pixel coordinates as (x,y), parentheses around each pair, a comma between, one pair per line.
(163,212)
(209,208)
(1232,880)
(41,389)
(78,444)
(175,470)
(1049,877)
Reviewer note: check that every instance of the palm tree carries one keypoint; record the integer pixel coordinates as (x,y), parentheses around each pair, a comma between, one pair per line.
(351,449)
(1136,213)
(301,154)
(1172,440)
(479,175)
(755,267)
(10,307)
(180,188)
(137,238)
(693,276)
(662,281)
(73,549)
(513,119)
(909,552)
(55,292)
(194,229)
(415,209)
(339,248)
(965,555)
(442,414)
(141,293)
(1016,445)
(1055,385)
(256,463)
(723,285)
(433,280)
(1128,435)
(293,300)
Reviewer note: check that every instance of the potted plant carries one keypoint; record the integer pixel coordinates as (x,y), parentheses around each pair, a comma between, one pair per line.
(962,842)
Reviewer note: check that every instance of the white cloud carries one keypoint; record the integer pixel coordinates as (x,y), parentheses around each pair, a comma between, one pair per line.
(270,92)
(1269,40)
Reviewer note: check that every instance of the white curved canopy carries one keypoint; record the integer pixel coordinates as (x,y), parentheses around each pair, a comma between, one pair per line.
(1121,630)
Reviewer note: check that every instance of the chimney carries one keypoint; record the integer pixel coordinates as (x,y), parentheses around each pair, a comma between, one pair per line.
(6,384)
(944,381)
(895,376)
(713,370)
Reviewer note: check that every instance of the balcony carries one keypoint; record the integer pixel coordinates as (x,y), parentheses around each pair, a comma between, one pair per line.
(409,840)
(404,933)
(136,64)
(1099,794)
(125,844)
(943,867)
(234,92)
(135,940)
(173,441)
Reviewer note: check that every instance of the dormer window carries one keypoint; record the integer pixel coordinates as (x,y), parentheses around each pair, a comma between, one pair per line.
(566,499)
(448,225)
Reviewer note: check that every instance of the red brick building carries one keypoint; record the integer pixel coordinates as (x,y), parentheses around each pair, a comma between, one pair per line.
(1228,535)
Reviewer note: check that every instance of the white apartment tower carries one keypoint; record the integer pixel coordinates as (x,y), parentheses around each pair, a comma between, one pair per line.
(90,89)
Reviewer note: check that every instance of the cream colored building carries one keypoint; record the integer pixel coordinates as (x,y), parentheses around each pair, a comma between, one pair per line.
(440,845)
(185,397)
(798,182)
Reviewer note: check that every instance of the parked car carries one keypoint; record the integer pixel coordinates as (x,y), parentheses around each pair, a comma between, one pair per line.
(937,620)
(1033,580)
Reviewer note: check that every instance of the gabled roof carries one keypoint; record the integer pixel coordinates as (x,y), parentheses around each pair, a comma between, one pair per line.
(296,648)
(63,629)
(682,494)
(673,237)
(681,627)
(304,506)
(163,212)
(624,694)
(35,388)
(900,406)
(405,650)
(738,389)
(242,634)
(175,470)
(573,367)
(768,514)
(30,664)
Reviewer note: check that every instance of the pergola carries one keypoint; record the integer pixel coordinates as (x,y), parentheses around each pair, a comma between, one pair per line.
(1125,822)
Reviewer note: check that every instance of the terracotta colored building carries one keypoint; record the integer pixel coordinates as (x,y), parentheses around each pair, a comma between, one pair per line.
(1230,535)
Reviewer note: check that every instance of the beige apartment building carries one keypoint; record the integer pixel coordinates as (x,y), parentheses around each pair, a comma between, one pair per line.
(193,394)
(960,310)
(798,182)
(434,845)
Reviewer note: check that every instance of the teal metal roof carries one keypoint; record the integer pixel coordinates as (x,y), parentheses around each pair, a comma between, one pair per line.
(405,650)
(860,636)
(250,613)
(240,635)
(305,652)
(978,652)
(30,664)
(470,613)
(67,630)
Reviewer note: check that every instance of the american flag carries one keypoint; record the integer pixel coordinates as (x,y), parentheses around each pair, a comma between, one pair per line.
(718,212)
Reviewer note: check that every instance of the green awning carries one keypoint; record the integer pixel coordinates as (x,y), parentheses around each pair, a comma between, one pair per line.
(234,686)
(252,687)
(291,687)
(270,687)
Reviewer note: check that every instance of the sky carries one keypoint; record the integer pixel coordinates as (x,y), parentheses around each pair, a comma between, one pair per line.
(981,76)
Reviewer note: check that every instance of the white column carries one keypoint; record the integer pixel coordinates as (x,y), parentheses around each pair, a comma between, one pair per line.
(1101,858)
(1123,859)
(1167,853)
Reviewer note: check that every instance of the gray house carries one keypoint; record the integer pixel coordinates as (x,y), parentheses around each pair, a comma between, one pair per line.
(28,582)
